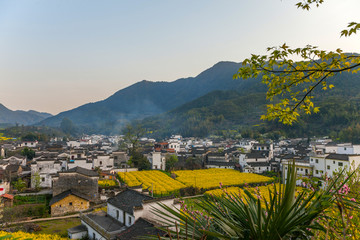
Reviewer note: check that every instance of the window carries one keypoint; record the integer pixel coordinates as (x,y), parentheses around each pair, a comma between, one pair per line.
(40,169)
(70,203)
(344,148)
(317,171)
(328,167)
(340,164)
(117,214)
(297,169)
(333,162)
(129,220)
(100,162)
(301,169)
(311,159)
(317,160)
(43,179)
(285,168)
(306,171)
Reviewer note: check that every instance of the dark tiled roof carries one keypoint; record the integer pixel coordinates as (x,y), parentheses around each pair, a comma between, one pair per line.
(336,156)
(104,221)
(83,171)
(139,229)
(220,163)
(12,168)
(63,195)
(77,229)
(259,164)
(256,154)
(128,199)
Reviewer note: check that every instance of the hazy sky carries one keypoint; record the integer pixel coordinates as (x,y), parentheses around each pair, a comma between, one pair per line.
(58,55)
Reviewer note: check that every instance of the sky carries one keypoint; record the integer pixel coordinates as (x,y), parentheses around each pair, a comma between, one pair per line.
(58,55)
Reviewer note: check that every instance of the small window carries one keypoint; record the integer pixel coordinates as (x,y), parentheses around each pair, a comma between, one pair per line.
(301,169)
(117,214)
(285,168)
(317,160)
(100,162)
(328,167)
(129,220)
(333,162)
(317,171)
(306,171)
(344,148)
(43,179)
(311,159)
(297,169)
(340,164)
(70,203)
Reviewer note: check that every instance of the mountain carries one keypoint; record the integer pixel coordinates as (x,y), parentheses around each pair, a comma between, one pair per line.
(221,112)
(145,98)
(8,116)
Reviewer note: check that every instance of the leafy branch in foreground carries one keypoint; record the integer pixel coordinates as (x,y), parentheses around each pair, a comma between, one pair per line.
(285,214)
(291,84)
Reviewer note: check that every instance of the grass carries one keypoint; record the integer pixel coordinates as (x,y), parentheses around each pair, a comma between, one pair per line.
(59,226)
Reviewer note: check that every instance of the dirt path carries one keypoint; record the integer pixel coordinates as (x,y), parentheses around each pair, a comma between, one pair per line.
(39,220)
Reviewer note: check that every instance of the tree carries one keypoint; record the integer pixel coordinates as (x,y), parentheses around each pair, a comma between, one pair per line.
(36,181)
(283,215)
(20,185)
(170,162)
(140,161)
(28,152)
(291,84)
(67,126)
(132,135)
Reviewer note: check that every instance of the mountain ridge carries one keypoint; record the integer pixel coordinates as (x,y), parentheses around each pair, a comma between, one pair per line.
(13,117)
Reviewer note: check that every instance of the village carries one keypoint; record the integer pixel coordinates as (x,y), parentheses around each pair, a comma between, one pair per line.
(94,172)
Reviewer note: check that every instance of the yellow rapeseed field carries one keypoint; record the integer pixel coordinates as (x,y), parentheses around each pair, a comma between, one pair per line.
(214,177)
(27,236)
(107,183)
(161,183)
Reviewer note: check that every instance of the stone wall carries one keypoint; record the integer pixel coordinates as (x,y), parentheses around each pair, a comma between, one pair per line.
(69,204)
(75,181)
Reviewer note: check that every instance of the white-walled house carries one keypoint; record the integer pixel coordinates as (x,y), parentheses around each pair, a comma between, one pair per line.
(31,144)
(123,211)
(157,160)
(327,163)
(303,168)
(46,168)
(104,162)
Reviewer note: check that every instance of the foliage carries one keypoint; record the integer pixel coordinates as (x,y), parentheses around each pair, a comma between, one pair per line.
(211,178)
(36,181)
(193,163)
(161,183)
(132,135)
(107,183)
(19,185)
(139,161)
(170,161)
(20,212)
(280,215)
(291,84)
(67,126)
(28,152)
(28,236)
